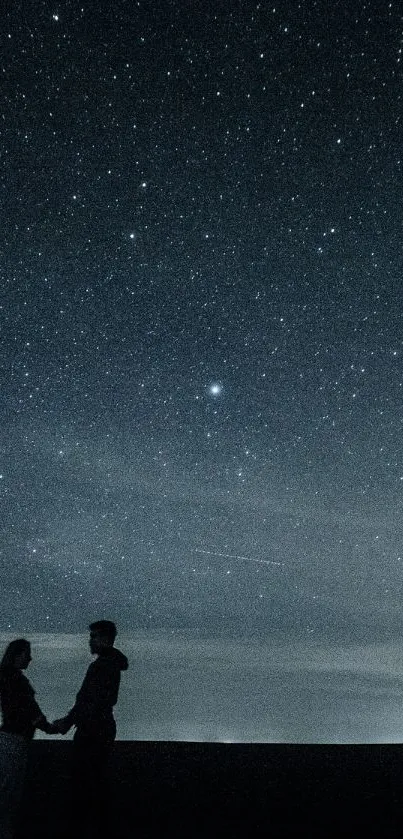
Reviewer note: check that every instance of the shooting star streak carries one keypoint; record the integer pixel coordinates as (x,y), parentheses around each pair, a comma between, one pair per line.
(236,556)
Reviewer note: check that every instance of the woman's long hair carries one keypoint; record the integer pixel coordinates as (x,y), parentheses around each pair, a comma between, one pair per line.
(15,648)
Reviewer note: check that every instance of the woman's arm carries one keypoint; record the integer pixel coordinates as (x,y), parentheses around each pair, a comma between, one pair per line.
(42,723)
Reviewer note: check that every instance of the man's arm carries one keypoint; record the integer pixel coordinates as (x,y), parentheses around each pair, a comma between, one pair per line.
(99,689)
(63,724)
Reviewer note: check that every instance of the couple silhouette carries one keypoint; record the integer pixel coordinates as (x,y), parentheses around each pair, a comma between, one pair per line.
(95,731)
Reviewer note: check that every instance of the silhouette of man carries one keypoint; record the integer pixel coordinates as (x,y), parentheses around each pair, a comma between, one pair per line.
(92,715)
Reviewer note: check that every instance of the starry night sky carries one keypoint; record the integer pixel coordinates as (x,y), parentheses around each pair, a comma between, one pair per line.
(201,322)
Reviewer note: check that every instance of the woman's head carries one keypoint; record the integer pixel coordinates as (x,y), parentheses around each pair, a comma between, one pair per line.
(17,655)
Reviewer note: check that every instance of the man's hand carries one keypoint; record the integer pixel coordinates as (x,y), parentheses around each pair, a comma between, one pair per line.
(60,726)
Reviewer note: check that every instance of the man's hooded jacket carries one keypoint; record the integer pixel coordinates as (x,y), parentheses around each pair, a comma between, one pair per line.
(92,713)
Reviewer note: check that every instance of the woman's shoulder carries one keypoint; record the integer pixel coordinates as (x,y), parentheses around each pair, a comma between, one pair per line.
(13,676)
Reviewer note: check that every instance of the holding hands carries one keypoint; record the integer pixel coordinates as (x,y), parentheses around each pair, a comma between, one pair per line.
(60,726)
(57,727)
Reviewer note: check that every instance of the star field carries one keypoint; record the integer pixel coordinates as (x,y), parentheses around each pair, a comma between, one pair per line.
(201,318)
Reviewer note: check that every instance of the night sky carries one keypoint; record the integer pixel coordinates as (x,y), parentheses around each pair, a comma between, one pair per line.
(202,317)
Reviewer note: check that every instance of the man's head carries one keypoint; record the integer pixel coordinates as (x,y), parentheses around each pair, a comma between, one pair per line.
(102,634)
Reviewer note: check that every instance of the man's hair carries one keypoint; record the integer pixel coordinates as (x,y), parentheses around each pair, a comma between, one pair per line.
(105,628)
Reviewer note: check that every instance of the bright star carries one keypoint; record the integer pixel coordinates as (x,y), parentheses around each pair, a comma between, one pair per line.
(215,389)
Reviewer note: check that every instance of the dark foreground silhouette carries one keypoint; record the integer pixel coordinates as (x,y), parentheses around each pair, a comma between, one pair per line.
(95,732)
(90,801)
(215,789)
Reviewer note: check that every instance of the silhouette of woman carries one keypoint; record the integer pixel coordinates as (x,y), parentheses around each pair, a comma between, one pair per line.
(21,716)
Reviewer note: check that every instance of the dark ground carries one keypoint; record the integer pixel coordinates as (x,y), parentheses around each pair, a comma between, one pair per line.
(216,789)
